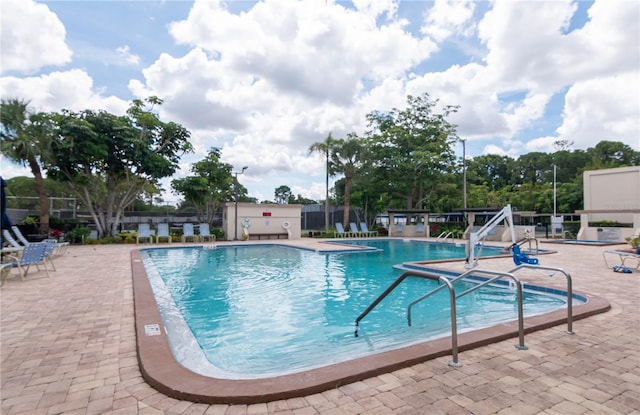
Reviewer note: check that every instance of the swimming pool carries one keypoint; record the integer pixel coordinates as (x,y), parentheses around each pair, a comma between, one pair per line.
(245,312)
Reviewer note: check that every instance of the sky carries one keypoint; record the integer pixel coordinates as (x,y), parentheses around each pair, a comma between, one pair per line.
(263,81)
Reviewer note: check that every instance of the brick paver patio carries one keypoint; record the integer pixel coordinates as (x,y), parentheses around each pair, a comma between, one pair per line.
(68,347)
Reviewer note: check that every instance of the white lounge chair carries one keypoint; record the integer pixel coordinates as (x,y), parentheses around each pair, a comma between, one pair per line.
(19,235)
(340,232)
(144,233)
(9,238)
(187,233)
(354,229)
(163,232)
(205,233)
(366,231)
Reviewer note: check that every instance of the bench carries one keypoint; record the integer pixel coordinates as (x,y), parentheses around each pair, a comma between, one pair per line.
(268,236)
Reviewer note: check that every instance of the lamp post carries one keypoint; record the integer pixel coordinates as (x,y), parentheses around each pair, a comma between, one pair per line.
(235,222)
(464,173)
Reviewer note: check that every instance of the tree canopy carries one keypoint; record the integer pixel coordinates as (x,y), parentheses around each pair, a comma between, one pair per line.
(211,184)
(26,136)
(107,160)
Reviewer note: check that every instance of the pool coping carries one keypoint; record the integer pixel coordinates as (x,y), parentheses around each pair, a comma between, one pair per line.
(160,369)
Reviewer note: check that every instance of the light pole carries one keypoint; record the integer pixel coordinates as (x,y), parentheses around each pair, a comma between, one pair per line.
(464,173)
(235,222)
(554,220)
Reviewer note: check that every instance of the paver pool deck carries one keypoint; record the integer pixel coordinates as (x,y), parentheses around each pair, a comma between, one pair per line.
(68,346)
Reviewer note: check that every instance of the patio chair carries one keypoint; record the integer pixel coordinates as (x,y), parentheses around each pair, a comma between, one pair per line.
(163,232)
(420,227)
(32,254)
(205,233)
(366,231)
(144,233)
(399,227)
(187,233)
(19,235)
(520,257)
(5,268)
(49,252)
(9,238)
(340,232)
(354,229)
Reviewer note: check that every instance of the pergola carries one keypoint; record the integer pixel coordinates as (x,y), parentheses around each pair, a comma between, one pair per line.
(410,227)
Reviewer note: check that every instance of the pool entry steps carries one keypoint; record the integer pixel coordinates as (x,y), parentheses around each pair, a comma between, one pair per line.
(514,283)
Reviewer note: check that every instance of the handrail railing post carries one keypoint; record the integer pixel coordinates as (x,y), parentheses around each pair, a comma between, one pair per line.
(454,324)
(454,327)
(498,275)
(569,290)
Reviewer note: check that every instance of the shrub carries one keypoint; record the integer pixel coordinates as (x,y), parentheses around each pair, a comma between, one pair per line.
(77,235)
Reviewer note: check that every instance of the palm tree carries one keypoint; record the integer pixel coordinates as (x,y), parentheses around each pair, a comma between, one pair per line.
(325,147)
(24,136)
(345,159)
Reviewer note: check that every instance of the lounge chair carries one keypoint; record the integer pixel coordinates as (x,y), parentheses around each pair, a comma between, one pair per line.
(366,231)
(54,248)
(9,238)
(205,233)
(5,268)
(340,232)
(187,233)
(400,227)
(50,251)
(354,229)
(163,232)
(420,227)
(19,235)
(623,257)
(32,254)
(144,233)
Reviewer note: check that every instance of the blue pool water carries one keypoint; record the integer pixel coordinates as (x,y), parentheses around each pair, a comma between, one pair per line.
(259,311)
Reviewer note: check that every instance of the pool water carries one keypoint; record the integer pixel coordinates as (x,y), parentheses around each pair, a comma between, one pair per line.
(260,311)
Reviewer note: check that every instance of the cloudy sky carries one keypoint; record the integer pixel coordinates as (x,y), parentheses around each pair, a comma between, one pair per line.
(265,80)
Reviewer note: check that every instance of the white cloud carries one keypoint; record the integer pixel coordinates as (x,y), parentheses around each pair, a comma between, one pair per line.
(127,57)
(603,109)
(448,18)
(61,90)
(9,169)
(31,37)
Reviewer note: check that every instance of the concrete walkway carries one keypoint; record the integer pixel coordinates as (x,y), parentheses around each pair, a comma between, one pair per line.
(68,347)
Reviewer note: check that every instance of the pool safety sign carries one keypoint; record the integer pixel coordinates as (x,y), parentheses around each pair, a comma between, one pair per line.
(152,329)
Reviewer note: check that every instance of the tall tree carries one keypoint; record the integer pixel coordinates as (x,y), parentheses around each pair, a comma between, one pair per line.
(345,159)
(211,184)
(611,154)
(412,149)
(25,137)
(107,160)
(324,148)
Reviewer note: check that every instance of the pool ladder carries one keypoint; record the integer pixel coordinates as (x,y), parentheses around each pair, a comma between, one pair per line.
(445,236)
(514,283)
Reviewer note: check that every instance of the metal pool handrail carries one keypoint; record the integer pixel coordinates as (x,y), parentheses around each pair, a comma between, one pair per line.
(444,236)
(569,290)
(497,275)
(454,330)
